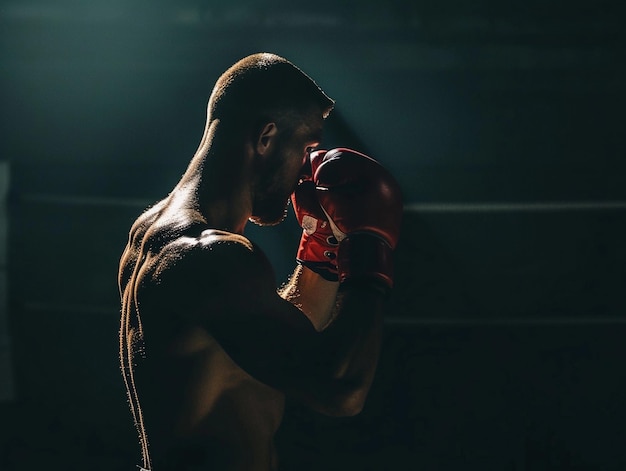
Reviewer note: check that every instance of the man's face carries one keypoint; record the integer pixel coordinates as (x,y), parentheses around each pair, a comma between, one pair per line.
(281,170)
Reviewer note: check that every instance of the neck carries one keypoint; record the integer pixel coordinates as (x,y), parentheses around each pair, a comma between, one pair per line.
(218,180)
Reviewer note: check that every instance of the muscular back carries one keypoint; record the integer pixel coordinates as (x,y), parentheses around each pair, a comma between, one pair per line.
(181,288)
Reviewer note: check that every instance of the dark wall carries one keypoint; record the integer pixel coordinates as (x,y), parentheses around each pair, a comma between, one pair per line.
(502,124)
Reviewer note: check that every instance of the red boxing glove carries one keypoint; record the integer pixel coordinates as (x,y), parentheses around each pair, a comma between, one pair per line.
(318,245)
(363,205)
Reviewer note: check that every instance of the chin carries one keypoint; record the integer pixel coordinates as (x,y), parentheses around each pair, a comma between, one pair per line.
(266,222)
(270,218)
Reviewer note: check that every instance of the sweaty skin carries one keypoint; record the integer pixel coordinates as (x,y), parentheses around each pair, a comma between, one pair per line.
(208,346)
(193,395)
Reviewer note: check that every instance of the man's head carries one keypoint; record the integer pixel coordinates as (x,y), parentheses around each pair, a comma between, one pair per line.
(263,88)
(280,111)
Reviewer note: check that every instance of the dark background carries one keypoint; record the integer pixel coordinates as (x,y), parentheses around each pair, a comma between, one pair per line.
(503,122)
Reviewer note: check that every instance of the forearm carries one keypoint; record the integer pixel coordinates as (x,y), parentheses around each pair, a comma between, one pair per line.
(313,295)
(354,337)
(343,358)
(350,210)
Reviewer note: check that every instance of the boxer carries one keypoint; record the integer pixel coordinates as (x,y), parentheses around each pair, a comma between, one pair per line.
(209,348)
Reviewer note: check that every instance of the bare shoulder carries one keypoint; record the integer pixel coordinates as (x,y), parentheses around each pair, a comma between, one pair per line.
(214,250)
(215,242)
(213,267)
(208,237)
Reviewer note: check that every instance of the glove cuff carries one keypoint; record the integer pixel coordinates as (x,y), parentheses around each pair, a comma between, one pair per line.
(318,252)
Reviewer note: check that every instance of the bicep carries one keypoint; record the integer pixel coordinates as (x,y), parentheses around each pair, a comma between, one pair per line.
(265,343)
(263,333)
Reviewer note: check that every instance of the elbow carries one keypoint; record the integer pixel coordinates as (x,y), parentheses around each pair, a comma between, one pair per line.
(349,409)
(347,404)
(338,398)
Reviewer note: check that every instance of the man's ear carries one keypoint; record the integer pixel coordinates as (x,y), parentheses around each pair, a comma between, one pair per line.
(266,138)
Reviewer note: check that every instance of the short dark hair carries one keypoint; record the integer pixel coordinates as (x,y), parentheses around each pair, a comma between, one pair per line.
(265,86)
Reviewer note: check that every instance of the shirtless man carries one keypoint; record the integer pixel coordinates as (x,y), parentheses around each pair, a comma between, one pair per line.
(208,346)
